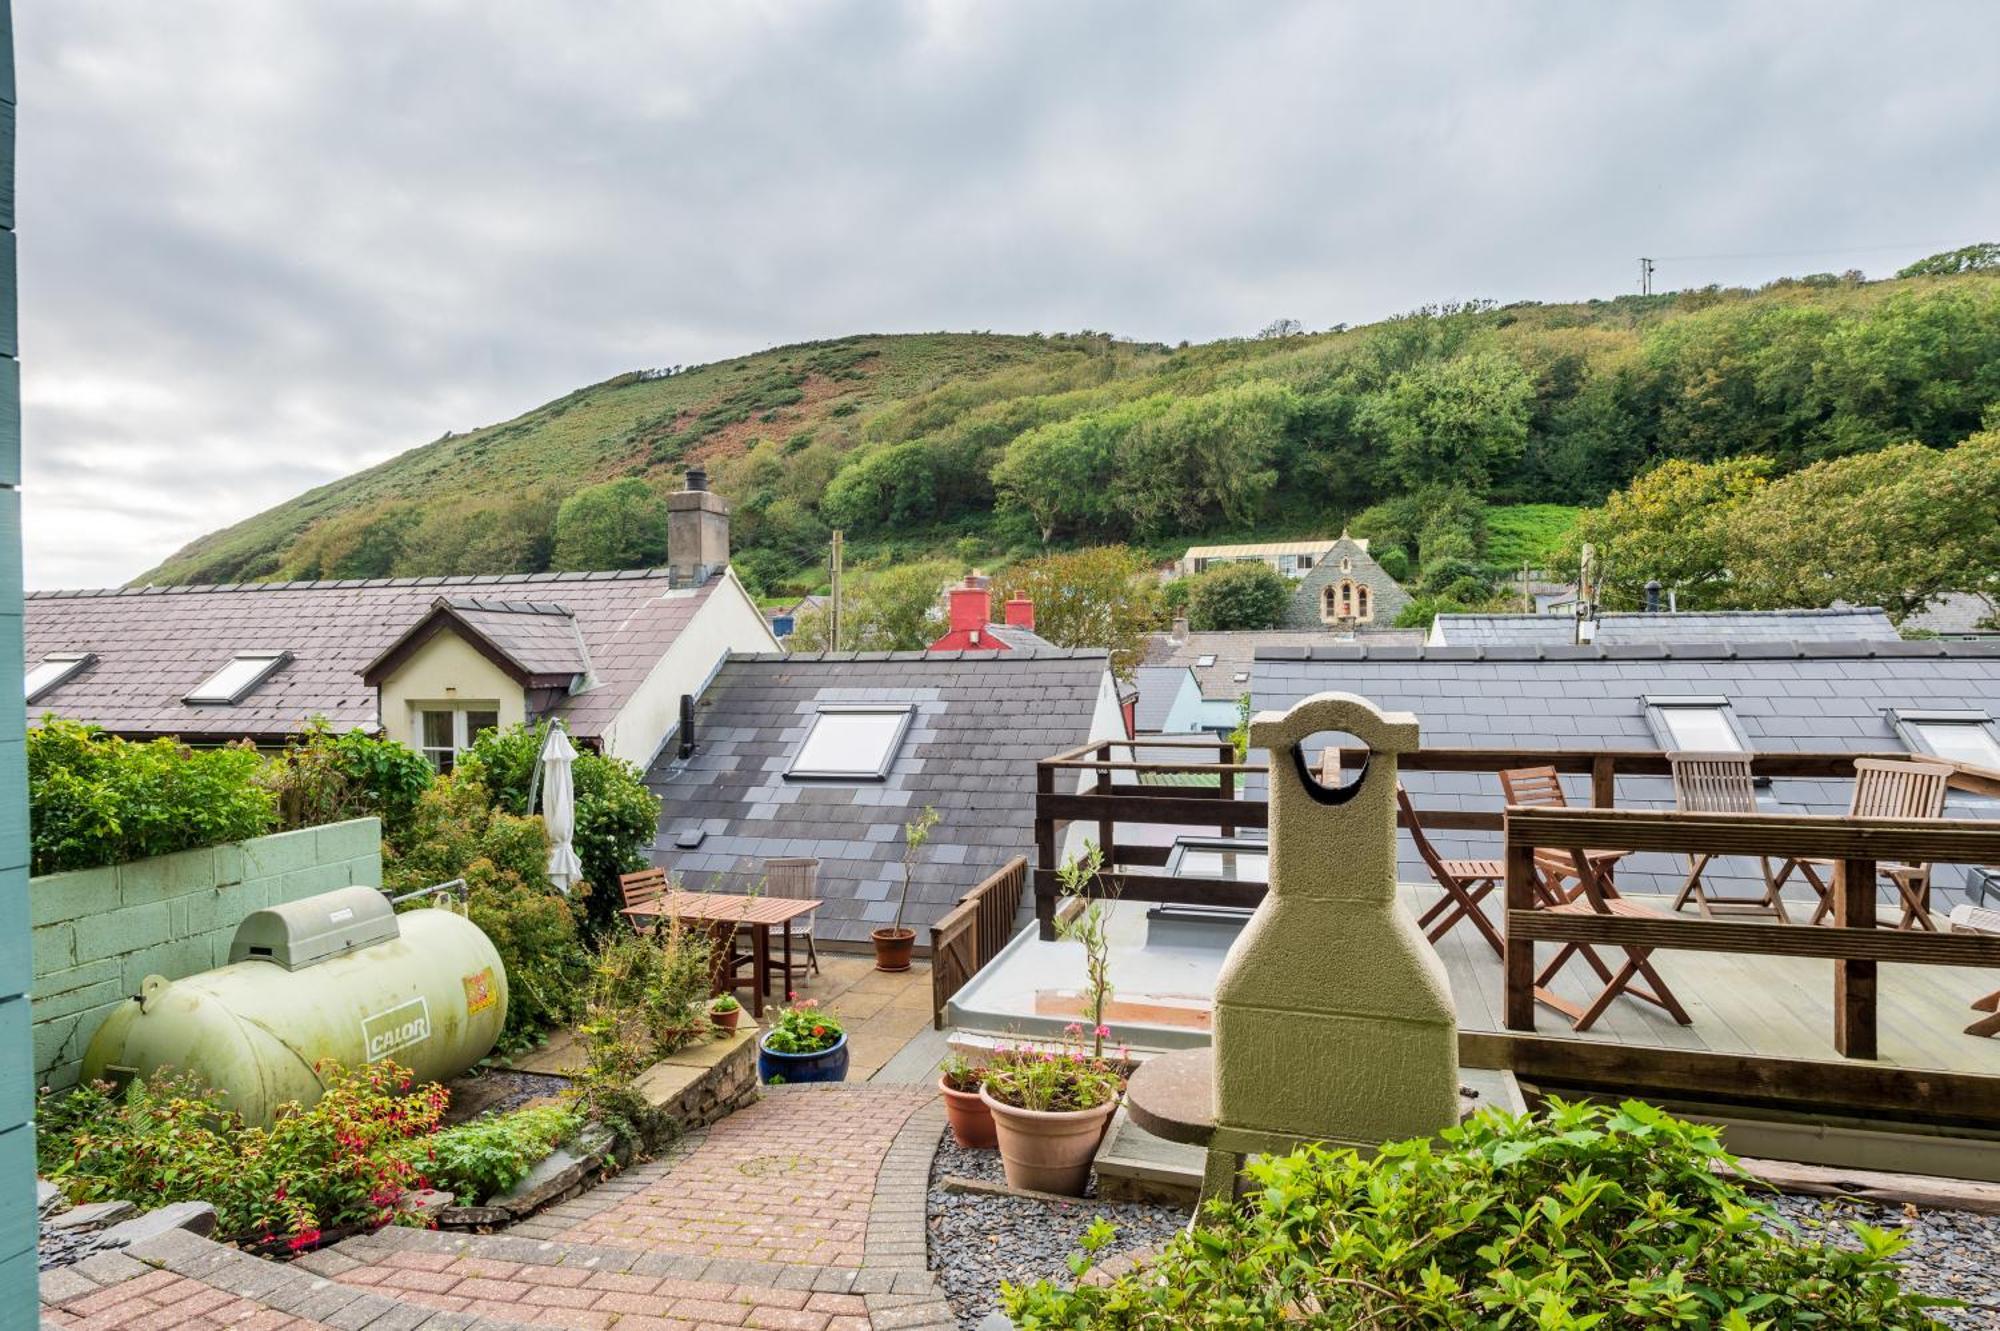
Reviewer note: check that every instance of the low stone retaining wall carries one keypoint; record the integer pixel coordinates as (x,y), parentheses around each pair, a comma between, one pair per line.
(99,932)
(686,1090)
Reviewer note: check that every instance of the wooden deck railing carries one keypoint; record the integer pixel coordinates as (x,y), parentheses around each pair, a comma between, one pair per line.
(1854,942)
(973,932)
(1089,785)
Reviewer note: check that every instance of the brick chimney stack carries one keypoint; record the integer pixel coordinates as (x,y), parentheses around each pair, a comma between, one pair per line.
(697,531)
(971,608)
(1021,613)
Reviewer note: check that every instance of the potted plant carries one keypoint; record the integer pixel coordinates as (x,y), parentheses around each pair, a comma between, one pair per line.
(805,1043)
(971,1121)
(894,944)
(725,1012)
(1050,1109)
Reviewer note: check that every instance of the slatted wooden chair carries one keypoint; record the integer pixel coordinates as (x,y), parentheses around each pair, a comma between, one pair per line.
(1888,788)
(1970,919)
(1541,788)
(798,878)
(1720,783)
(1466,884)
(1594,897)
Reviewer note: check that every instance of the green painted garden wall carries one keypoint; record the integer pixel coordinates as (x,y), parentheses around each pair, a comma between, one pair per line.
(99,932)
(17,1082)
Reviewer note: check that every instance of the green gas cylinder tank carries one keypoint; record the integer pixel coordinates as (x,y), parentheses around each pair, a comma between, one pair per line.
(336,977)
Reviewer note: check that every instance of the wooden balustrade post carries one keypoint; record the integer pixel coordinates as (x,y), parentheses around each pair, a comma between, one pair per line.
(1603,781)
(1107,827)
(1045,854)
(1518,959)
(1227,784)
(1854,981)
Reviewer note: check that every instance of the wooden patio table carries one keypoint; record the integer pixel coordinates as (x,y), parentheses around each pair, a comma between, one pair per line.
(757,914)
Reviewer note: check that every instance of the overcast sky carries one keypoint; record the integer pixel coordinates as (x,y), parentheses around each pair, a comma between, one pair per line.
(265,244)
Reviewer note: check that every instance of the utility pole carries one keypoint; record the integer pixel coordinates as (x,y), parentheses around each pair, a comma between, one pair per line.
(1645,277)
(833,600)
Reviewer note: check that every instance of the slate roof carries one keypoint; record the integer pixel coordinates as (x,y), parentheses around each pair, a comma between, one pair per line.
(981,724)
(1234,651)
(1795,697)
(1158,687)
(155,644)
(1847,624)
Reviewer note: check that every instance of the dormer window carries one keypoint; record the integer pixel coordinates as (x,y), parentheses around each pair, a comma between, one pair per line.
(55,669)
(244,673)
(851,743)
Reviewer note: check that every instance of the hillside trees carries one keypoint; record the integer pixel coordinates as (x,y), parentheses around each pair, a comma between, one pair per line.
(1458,422)
(619,524)
(1061,474)
(1970,259)
(1674,524)
(1201,459)
(1101,597)
(889,610)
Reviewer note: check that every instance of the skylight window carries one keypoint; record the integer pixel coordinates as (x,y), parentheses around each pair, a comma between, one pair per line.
(55,669)
(1204,662)
(245,671)
(851,743)
(1694,725)
(1962,737)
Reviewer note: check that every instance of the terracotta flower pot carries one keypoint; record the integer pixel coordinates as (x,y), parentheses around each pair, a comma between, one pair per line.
(726,1020)
(893,947)
(1048,1152)
(971,1121)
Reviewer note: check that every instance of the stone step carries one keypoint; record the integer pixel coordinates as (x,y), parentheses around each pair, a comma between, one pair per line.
(1134,1165)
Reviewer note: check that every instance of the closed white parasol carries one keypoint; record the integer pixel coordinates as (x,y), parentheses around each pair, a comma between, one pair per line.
(559,809)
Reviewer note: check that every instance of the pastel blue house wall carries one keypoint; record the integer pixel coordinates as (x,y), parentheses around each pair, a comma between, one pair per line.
(17,1080)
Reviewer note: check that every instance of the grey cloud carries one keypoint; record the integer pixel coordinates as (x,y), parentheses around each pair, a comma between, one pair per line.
(266,245)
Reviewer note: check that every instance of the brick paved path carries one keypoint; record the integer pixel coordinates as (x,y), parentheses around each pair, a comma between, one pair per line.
(822,1190)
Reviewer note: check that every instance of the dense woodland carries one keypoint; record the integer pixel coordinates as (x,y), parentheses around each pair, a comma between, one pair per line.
(1428,432)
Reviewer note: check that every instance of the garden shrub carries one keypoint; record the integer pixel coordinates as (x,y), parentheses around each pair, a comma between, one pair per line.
(453,832)
(338,1164)
(488,1156)
(616,816)
(97,799)
(322,777)
(1249,595)
(1580,1217)
(648,997)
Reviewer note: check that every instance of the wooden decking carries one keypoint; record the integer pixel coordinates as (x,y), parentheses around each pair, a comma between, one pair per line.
(1768,1006)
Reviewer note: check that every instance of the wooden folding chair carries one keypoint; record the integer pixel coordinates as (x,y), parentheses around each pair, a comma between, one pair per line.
(797,878)
(1594,897)
(1466,884)
(1887,788)
(1971,919)
(1720,783)
(1541,788)
(642,889)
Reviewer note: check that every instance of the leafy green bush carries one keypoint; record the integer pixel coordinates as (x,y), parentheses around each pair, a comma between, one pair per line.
(322,777)
(803,1028)
(1581,1217)
(453,832)
(489,1155)
(339,1163)
(648,996)
(96,799)
(1250,595)
(616,816)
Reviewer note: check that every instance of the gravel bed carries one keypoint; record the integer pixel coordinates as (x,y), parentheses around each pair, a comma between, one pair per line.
(976,1242)
(1950,1254)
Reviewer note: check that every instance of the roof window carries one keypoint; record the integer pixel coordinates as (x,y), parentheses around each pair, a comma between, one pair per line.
(1694,725)
(245,671)
(1204,662)
(1962,737)
(55,669)
(851,743)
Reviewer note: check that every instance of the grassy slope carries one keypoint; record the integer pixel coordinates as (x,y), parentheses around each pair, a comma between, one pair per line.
(630,425)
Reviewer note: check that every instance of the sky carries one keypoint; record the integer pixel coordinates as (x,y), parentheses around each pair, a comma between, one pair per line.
(264,245)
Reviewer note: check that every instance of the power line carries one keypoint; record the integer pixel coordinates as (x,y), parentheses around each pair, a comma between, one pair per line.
(1787,254)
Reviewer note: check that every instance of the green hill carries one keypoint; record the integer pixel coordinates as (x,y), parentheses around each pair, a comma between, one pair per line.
(987,448)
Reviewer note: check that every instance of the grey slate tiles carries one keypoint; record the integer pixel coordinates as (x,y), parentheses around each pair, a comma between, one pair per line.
(1856,624)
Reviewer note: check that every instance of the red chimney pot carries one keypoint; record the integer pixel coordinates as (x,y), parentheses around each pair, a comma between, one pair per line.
(1021,613)
(971,608)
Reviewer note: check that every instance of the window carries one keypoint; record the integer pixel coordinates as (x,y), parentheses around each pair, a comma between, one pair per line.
(1204,662)
(1347,563)
(851,743)
(1229,860)
(1305,563)
(54,670)
(445,732)
(1361,610)
(245,671)
(1961,737)
(1694,725)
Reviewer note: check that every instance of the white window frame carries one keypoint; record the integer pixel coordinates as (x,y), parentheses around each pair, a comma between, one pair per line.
(880,772)
(1909,726)
(462,733)
(1657,705)
(210,692)
(63,667)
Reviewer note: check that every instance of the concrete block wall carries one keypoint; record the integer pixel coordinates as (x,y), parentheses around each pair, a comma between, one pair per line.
(98,933)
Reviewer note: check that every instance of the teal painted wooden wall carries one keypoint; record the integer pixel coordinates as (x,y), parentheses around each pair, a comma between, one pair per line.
(17,1081)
